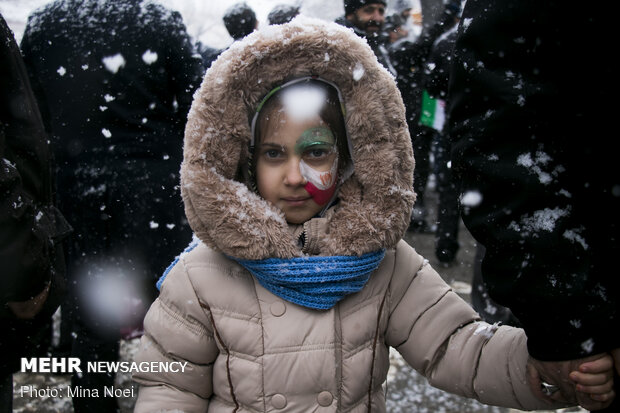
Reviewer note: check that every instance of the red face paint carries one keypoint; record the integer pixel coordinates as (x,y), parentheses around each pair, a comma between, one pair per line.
(321,196)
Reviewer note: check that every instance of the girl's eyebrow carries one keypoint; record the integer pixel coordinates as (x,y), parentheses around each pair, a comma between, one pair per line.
(274,145)
(270,144)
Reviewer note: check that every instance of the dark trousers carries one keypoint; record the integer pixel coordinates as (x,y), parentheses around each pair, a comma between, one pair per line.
(128,227)
(421,139)
(21,338)
(448,214)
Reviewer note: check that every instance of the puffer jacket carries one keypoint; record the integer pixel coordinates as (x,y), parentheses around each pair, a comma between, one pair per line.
(248,350)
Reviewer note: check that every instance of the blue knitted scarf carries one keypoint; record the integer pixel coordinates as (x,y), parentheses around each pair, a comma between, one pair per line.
(314,282)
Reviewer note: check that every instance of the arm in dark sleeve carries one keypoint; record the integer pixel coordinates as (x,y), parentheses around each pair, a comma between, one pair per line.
(31,227)
(529,153)
(23,249)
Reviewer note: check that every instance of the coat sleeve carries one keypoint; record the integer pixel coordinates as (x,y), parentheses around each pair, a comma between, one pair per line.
(177,329)
(442,338)
(529,156)
(31,228)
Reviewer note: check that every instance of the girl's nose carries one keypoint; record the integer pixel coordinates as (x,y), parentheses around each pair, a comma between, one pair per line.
(293,174)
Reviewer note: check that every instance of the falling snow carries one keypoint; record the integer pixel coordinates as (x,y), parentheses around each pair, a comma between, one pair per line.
(471,198)
(303,102)
(149,57)
(114,63)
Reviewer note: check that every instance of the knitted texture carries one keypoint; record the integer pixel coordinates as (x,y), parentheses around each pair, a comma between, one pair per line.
(315,282)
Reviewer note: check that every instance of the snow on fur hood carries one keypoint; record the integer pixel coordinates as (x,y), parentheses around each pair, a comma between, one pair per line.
(375,202)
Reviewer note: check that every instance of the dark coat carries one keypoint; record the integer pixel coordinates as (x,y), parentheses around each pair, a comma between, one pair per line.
(129,68)
(208,54)
(531,116)
(31,227)
(117,78)
(438,64)
(379,43)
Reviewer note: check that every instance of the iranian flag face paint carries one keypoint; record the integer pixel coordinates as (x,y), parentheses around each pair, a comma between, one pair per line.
(319,162)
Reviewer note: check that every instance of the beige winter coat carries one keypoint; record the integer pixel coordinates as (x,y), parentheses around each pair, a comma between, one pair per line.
(250,351)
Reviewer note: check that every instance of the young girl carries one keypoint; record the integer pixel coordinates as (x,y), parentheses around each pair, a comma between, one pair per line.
(299,282)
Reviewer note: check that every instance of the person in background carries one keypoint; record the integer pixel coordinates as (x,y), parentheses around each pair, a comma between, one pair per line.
(299,281)
(240,20)
(366,18)
(531,116)
(409,58)
(394,27)
(404,9)
(115,89)
(32,229)
(283,13)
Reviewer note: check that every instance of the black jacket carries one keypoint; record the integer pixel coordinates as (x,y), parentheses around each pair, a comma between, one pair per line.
(437,68)
(116,78)
(31,227)
(531,119)
(116,75)
(379,43)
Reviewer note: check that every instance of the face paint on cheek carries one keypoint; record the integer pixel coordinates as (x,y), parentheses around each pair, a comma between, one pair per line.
(321,185)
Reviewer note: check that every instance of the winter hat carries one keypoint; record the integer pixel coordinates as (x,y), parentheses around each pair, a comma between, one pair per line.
(282,13)
(240,20)
(350,6)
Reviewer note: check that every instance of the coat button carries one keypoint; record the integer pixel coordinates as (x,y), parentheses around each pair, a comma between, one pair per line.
(278,401)
(325,398)
(278,308)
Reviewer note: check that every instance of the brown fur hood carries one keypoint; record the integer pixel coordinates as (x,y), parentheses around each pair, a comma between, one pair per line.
(375,202)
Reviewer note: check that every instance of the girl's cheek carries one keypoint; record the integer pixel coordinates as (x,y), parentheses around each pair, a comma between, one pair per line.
(321,185)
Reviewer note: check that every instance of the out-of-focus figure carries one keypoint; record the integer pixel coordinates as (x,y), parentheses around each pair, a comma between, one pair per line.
(32,229)
(240,20)
(283,13)
(115,82)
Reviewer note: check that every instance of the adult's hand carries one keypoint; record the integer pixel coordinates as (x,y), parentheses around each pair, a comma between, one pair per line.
(557,373)
(26,310)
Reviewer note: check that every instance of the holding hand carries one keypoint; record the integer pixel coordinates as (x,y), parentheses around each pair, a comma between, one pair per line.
(594,380)
(587,382)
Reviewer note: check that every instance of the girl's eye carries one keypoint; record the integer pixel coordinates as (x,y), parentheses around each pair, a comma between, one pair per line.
(272,154)
(318,152)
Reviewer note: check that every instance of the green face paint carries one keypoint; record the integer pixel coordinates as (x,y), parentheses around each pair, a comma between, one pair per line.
(319,137)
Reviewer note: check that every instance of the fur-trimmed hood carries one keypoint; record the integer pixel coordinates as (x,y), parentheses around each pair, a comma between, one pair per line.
(375,202)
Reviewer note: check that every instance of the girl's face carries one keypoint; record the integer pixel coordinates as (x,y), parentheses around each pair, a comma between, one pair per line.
(296,166)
